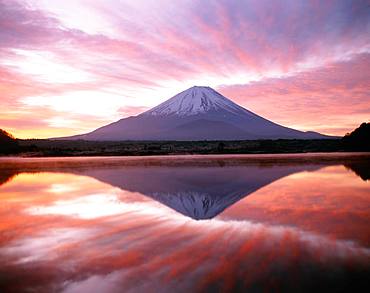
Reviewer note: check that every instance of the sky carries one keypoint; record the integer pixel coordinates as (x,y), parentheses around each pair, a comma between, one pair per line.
(69,67)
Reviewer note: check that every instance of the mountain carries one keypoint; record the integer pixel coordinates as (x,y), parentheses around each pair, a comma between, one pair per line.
(198,113)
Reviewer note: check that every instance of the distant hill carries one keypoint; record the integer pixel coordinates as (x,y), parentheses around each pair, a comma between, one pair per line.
(8,144)
(5,136)
(198,113)
(359,139)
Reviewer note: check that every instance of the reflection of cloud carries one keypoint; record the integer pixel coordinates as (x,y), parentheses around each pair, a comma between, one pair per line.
(91,206)
(43,247)
(102,283)
(120,253)
(331,201)
(105,239)
(61,188)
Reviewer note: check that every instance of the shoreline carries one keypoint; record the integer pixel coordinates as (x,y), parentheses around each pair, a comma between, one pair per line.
(30,156)
(193,155)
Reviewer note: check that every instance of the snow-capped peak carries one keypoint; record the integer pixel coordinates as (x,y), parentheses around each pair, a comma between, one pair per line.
(195,100)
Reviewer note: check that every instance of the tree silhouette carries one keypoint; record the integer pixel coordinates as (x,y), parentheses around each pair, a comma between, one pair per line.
(8,144)
(359,139)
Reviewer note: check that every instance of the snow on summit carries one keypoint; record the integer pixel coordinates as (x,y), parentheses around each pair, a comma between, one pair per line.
(195,100)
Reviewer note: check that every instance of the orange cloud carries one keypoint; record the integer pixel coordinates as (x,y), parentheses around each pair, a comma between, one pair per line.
(333,99)
(144,54)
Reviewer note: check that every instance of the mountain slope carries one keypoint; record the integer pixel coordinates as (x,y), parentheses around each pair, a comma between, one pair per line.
(198,113)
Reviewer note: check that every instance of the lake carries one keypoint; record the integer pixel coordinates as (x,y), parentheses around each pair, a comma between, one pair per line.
(185,224)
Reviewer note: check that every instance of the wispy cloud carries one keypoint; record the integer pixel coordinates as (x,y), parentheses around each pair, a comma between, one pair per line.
(140,53)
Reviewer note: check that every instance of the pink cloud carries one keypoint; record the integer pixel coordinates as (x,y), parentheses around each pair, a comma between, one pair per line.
(333,99)
(163,45)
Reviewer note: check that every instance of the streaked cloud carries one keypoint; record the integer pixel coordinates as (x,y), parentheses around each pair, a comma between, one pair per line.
(332,99)
(141,53)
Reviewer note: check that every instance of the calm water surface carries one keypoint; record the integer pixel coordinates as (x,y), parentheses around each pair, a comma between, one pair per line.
(185,224)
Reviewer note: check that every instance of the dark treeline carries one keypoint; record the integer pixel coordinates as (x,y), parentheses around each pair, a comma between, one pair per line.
(358,140)
(127,148)
(130,148)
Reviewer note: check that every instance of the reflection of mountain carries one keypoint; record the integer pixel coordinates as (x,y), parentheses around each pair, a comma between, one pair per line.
(361,169)
(200,187)
(6,176)
(197,192)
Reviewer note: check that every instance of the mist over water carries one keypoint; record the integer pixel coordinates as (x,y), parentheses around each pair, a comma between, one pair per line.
(197,223)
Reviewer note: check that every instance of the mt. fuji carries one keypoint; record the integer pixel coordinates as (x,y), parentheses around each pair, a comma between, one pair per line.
(198,113)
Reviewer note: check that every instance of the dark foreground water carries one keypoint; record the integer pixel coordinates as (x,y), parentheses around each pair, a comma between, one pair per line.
(185,224)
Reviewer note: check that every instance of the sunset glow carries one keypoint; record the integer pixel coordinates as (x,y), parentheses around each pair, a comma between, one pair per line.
(69,67)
